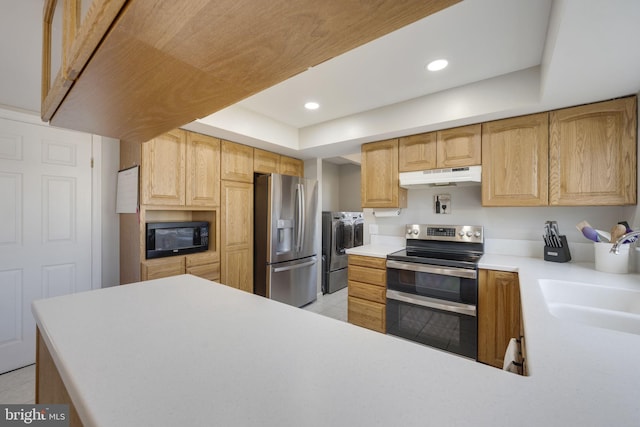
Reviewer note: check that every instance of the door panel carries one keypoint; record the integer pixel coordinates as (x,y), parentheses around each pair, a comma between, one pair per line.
(45,227)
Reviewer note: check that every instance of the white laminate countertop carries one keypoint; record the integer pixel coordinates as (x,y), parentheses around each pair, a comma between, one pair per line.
(185,351)
(374,250)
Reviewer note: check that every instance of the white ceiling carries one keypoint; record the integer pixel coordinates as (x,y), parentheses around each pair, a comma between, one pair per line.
(506,57)
(479,38)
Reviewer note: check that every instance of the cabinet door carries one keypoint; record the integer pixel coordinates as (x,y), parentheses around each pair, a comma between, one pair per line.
(368,292)
(372,276)
(236,267)
(380,181)
(203,170)
(291,166)
(368,314)
(163,170)
(367,261)
(498,314)
(265,161)
(165,267)
(417,152)
(515,161)
(209,272)
(593,154)
(459,146)
(237,162)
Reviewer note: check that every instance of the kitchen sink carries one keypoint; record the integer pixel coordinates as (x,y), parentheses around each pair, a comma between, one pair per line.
(599,306)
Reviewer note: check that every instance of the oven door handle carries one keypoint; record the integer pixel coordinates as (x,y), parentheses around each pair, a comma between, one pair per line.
(450,306)
(426,268)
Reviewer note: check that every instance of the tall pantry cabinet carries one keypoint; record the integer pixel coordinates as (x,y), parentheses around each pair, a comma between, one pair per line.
(236,190)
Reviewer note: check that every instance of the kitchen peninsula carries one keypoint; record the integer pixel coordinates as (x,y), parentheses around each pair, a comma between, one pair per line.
(186,351)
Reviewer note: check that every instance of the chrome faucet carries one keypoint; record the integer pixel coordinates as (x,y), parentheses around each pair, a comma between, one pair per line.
(615,249)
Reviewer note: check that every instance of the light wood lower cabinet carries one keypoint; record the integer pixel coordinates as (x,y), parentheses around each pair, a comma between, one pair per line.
(205,265)
(50,388)
(367,292)
(498,314)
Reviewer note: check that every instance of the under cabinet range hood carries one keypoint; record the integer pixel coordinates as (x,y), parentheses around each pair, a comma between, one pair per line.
(468,175)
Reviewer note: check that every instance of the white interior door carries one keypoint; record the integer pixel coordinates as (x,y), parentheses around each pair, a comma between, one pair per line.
(45,227)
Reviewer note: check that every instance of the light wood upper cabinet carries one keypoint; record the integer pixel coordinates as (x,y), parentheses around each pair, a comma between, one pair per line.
(291,166)
(515,161)
(417,152)
(265,161)
(592,156)
(459,146)
(498,314)
(268,162)
(72,30)
(203,170)
(237,162)
(163,170)
(181,169)
(236,267)
(447,148)
(380,185)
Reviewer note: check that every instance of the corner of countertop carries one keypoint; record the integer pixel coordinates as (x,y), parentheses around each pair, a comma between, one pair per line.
(374,250)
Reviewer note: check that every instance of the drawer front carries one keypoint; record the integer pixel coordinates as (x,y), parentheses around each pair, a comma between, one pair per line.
(373,276)
(165,267)
(369,292)
(209,272)
(370,315)
(202,258)
(368,261)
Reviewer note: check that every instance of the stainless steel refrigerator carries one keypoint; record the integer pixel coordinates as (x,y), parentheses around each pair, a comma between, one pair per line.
(285,229)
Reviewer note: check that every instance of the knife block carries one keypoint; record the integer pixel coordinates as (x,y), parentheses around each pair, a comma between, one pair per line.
(560,254)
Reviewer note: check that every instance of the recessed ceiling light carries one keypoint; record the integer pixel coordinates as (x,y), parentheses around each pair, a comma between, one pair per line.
(437,65)
(311,105)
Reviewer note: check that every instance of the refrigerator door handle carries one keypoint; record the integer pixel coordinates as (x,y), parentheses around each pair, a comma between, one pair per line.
(296,266)
(303,222)
(299,218)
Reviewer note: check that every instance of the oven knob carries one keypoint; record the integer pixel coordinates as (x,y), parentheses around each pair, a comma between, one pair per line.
(469,234)
(416,232)
(477,234)
(461,233)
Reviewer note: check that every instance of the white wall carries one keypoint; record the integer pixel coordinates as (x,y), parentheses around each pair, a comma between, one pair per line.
(341,187)
(110,221)
(330,187)
(349,199)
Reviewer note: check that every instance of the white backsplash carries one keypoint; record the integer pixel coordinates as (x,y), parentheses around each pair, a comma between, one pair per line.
(509,230)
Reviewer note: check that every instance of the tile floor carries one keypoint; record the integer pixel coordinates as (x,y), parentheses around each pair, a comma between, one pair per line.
(331,305)
(19,386)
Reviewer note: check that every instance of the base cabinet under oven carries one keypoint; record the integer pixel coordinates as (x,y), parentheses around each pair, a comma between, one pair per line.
(413,318)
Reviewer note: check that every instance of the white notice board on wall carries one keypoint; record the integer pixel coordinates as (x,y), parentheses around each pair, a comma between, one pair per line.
(127,190)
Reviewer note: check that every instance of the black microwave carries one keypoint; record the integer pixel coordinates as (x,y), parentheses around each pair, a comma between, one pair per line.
(176,238)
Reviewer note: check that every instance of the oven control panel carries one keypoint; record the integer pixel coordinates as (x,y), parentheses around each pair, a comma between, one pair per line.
(451,233)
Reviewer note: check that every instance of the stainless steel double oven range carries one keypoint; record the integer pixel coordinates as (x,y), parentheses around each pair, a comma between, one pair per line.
(432,287)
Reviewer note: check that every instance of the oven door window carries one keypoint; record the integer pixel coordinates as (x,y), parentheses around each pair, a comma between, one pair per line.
(450,288)
(449,331)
